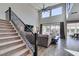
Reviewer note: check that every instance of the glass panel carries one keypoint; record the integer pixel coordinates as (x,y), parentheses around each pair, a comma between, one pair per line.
(56,11)
(72,28)
(55,29)
(45,14)
(46,30)
(51,29)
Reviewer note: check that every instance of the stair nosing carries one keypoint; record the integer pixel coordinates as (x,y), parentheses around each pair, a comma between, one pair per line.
(8,37)
(9,33)
(7,29)
(10,42)
(20,52)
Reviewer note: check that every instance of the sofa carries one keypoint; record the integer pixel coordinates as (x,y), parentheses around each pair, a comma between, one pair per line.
(43,40)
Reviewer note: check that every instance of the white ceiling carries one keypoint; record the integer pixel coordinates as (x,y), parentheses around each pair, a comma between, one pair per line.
(39,6)
(74,9)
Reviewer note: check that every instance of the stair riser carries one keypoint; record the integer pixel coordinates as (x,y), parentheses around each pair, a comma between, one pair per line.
(4,21)
(2,31)
(13,51)
(10,45)
(8,35)
(9,39)
(5,26)
(5,29)
(26,53)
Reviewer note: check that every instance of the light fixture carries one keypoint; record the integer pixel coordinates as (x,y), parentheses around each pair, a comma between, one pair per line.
(44,8)
(74,12)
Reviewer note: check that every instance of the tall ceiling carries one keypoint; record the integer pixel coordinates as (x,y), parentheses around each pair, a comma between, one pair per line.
(75,16)
(39,6)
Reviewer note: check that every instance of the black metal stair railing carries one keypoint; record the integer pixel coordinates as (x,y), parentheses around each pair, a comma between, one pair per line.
(20,26)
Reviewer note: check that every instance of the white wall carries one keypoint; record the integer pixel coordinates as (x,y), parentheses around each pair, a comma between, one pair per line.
(3,8)
(55,19)
(52,19)
(75,16)
(24,11)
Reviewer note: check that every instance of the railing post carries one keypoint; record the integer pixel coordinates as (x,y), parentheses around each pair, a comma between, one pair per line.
(35,45)
(9,13)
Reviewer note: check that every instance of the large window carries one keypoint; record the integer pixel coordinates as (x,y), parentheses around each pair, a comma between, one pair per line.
(51,29)
(45,14)
(72,28)
(46,29)
(52,12)
(56,11)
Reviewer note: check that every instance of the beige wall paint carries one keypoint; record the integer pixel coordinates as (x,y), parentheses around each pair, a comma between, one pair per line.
(75,16)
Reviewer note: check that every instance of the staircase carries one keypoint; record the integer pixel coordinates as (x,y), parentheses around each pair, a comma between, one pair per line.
(11,43)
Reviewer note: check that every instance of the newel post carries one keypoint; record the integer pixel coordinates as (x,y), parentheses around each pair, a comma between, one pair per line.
(9,13)
(35,45)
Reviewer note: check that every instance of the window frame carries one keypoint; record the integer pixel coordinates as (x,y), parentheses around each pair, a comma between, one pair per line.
(45,11)
(57,8)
